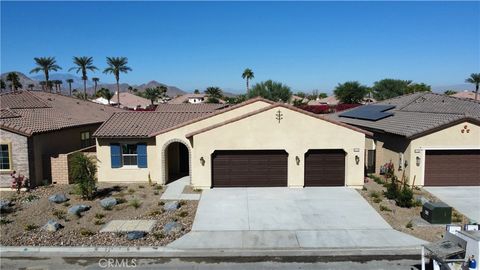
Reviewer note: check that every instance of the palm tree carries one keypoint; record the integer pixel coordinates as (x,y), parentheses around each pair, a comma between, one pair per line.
(70,81)
(31,86)
(43,84)
(2,85)
(154,93)
(105,93)
(475,79)
(95,81)
(13,78)
(45,64)
(83,64)
(248,75)
(214,94)
(117,65)
(57,84)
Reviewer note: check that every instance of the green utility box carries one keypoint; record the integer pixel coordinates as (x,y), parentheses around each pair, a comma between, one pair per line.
(437,213)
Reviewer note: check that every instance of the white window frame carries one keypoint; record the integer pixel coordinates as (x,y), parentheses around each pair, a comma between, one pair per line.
(10,165)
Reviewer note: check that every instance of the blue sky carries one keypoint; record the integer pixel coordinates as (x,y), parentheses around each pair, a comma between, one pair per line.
(307,45)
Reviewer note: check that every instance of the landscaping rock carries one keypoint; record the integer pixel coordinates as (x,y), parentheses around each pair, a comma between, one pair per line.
(77,209)
(108,202)
(58,198)
(172,227)
(52,226)
(5,206)
(171,206)
(134,235)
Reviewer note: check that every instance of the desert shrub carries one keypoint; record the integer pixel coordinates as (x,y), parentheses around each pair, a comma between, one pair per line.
(384,208)
(141,186)
(405,197)
(158,187)
(376,179)
(409,225)
(99,222)
(364,188)
(374,194)
(183,214)
(60,214)
(156,193)
(131,190)
(30,227)
(66,204)
(83,171)
(99,215)
(86,232)
(135,203)
(30,198)
(121,200)
(456,217)
(377,200)
(4,221)
(158,235)
(182,203)
(392,189)
(155,212)
(161,203)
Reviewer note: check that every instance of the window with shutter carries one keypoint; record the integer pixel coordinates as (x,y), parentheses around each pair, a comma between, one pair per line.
(116,155)
(142,155)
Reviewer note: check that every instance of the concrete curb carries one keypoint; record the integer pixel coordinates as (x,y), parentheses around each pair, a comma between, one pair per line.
(164,252)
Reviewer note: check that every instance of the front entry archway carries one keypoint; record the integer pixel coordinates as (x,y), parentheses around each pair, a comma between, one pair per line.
(177,163)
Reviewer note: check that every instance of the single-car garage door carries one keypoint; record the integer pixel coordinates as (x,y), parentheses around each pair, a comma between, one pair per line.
(249,168)
(452,168)
(325,168)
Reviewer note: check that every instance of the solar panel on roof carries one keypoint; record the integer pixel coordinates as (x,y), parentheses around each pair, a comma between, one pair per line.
(369,112)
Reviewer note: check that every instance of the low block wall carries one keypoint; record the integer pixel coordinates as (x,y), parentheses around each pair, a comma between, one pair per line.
(61,164)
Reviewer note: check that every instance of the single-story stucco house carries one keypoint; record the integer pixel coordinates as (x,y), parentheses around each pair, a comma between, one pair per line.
(257,143)
(432,139)
(35,126)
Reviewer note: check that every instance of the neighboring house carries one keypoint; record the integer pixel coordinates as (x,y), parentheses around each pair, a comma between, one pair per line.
(257,143)
(330,100)
(35,126)
(432,139)
(465,94)
(295,98)
(192,99)
(186,107)
(131,101)
(104,101)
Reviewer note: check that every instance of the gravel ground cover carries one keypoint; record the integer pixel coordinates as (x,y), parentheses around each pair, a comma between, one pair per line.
(30,211)
(407,220)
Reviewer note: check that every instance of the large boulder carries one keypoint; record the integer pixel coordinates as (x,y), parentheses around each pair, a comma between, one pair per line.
(5,206)
(108,203)
(58,198)
(171,206)
(52,226)
(134,235)
(78,209)
(172,227)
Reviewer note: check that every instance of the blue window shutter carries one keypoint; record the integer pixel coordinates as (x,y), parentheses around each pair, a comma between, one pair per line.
(116,155)
(142,155)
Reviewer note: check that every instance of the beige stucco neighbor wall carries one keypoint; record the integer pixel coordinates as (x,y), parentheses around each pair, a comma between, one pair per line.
(448,138)
(128,173)
(296,133)
(19,154)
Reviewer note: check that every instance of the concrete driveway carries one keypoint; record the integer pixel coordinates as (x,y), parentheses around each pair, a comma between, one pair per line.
(465,199)
(289,218)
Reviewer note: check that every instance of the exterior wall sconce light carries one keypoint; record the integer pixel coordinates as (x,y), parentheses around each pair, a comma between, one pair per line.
(417,159)
(405,163)
(297,159)
(357,159)
(202,161)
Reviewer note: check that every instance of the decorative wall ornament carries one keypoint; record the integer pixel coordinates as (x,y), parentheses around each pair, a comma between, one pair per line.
(279,116)
(465,129)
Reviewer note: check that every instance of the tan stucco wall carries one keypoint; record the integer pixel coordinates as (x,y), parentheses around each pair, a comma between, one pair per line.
(157,161)
(296,134)
(449,138)
(125,174)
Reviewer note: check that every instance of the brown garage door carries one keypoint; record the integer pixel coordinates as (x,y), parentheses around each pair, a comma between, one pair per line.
(249,168)
(452,168)
(325,168)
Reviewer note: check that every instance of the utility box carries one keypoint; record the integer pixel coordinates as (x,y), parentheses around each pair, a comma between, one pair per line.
(437,213)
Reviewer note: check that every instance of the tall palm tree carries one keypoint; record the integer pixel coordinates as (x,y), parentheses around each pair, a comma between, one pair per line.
(83,63)
(14,80)
(70,81)
(43,84)
(248,75)
(58,84)
(45,64)
(2,85)
(117,65)
(95,81)
(105,93)
(31,86)
(475,79)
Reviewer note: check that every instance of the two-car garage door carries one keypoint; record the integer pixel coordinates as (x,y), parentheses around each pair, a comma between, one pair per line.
(269,168)
(452,168)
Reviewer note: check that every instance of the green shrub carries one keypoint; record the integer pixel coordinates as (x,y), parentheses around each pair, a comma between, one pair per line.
(161,203)
(156,193)
(392,189)
(409,225)
(374,194)
(121,200)
(86,232)
(456,217)
(99,215)
(4,221)
(30,198)
(158,235)
(131,190)
(384,208)
(158,187)
(99,222)
(135,203)
(60,214)
(141,186)
(405,197)
(182,203)
(30,227)
(183,214)
(66,204)
(377,200)
(364,188)
(155,212)
(376,179)
(83,171)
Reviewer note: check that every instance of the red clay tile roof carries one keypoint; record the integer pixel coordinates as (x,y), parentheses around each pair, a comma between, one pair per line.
(142,124)
(37,112)
(274,106)
(187,107)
